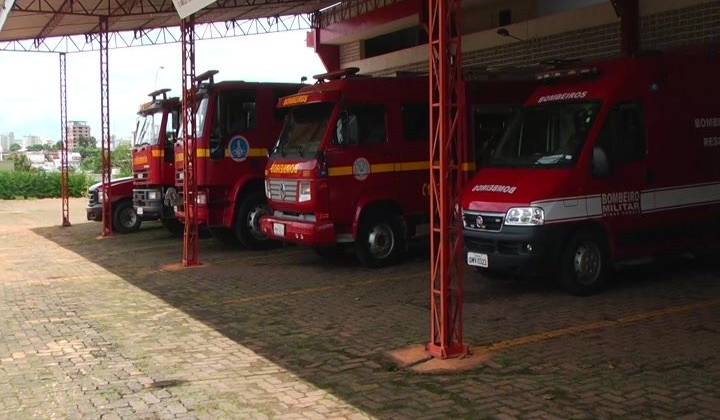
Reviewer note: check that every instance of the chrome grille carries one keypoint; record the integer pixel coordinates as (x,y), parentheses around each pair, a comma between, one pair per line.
(283,190)
(491,222)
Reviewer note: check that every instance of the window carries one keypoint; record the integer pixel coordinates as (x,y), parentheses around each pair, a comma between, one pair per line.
(235,113)
(416,122)
(365,123)
(630,137)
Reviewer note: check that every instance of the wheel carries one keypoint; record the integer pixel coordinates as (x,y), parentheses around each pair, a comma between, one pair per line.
(585,263)
(381,239)
(247,222)
(125,220)
(174,226)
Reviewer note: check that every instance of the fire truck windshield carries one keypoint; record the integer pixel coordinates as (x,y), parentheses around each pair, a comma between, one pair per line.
(546,136)
(148,129)
(304,128)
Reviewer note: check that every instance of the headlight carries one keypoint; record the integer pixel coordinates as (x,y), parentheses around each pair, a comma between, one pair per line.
(201,198)
(181,176)
(525,216)
(304,191)
(101,196)
(153,195)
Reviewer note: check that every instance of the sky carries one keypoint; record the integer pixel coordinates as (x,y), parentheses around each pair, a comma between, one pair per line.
(31,93)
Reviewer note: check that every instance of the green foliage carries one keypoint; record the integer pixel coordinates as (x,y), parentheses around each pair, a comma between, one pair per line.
(38,184)
(21,163)
(35,148)
(90,159)
(15,147)
(122,159)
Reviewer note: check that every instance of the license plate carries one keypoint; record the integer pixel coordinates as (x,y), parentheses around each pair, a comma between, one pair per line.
(139,211)
(477,259)
(278,229)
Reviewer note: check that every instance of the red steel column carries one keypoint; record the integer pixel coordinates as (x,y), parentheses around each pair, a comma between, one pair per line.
(64,177)
(446,156)
(190,236)
(105,128)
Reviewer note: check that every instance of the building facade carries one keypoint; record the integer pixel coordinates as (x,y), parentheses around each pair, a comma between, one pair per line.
(76,130)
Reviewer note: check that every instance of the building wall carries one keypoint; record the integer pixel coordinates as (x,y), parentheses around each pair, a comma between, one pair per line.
(75,130)
(589,32)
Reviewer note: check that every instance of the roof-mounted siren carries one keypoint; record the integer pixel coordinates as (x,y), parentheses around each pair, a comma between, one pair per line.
(337,74)
(157,93)
(561,69)
(208,75)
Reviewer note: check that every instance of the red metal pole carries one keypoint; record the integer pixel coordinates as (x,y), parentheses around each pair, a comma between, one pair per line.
(105,129)
(64,176)
(190,235)
(447,149)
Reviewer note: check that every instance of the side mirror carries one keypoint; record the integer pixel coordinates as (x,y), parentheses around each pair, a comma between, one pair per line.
(600,164)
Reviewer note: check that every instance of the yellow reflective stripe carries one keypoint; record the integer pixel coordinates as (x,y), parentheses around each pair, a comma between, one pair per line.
(382,167)
(203,153)
(468,166)
(412,166)
(158,153)
(340,170)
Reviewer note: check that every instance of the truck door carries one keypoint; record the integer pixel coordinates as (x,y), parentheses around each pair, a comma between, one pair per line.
(622,136)
(360,160)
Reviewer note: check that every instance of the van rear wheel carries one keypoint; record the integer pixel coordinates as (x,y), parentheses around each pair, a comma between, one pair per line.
(174,226)
(381,239)
(585,263)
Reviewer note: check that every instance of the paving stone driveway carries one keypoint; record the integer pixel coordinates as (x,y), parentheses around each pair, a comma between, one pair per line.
(114,328)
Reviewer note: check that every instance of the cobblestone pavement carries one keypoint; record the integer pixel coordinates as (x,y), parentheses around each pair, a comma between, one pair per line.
(115,328)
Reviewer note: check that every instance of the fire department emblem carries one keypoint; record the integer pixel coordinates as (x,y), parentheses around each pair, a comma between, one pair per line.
(239,148)
(361,169)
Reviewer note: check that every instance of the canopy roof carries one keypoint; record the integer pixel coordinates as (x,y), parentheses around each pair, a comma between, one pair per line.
(40,19)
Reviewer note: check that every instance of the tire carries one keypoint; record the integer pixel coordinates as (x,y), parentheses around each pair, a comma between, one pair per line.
(174,226)
(125,220)
(380,240)
(247,222)
(584,265)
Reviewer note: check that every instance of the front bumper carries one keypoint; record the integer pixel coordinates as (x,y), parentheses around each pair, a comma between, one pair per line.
(94,213)
(524,250)
(311,233)
(146,207)
(202,213)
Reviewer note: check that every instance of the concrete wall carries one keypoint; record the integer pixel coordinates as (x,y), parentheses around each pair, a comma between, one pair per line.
(588,32)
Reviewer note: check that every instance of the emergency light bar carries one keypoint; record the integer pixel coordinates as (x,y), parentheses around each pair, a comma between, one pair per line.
(337,74)
(568,73)
(208,75)
(157,93)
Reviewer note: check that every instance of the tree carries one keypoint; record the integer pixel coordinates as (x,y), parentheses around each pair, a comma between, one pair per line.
(21,163)
(15,147)
(90,159)
(86,142)
(35,148)
(122,159)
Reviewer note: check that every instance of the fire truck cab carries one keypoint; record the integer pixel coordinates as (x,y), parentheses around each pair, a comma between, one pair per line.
(351,164)
(611,161)
(154,158)
(236,123)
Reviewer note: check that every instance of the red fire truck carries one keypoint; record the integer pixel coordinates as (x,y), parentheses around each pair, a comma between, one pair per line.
(607,162)
(236,123)
(154,158)
(351,165)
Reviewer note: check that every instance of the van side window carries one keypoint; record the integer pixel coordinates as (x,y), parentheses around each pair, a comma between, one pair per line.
(416,122)
(629,133)
(235,114)
(370,120)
